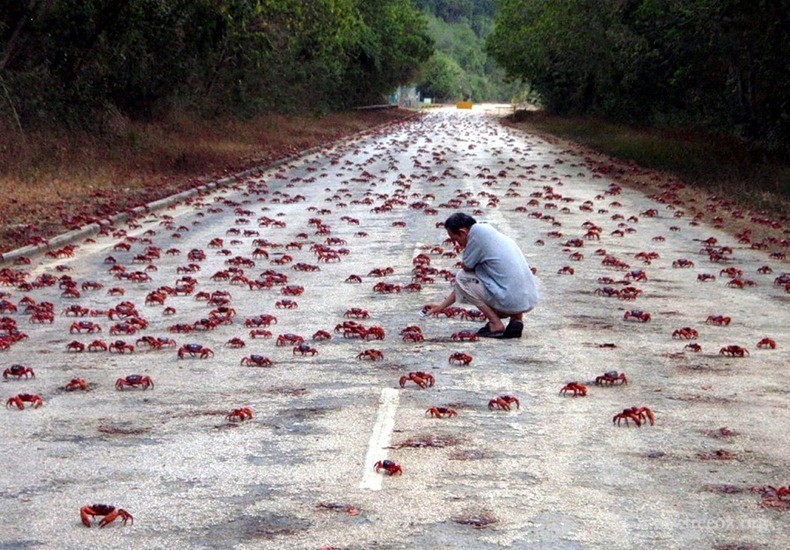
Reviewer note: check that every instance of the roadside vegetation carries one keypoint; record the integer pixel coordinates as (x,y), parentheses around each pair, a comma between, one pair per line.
(110,103)
(66,180)
(714,163)
(697,88)
(722,66)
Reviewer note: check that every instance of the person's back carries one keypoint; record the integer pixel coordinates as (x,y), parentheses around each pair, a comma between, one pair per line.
(494,276)
(500,265)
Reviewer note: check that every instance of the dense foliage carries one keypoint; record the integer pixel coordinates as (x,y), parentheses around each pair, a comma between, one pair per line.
(460,68)
(72,60)
(722,64)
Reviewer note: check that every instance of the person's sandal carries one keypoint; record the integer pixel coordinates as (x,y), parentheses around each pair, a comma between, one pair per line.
(484,330)
(514,329)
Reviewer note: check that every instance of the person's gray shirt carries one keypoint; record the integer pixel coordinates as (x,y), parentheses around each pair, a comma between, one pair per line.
(501,267)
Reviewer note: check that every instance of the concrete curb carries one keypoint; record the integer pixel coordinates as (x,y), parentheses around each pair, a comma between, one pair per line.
(63,239)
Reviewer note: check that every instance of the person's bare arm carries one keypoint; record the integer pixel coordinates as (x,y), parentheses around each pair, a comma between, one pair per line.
(433,308)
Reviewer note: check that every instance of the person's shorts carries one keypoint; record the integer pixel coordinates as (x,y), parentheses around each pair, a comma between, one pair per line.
(470,290)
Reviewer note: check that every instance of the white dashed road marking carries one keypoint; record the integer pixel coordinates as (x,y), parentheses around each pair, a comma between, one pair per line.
(380,438)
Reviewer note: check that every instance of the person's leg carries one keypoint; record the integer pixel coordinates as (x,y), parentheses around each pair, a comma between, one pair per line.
(495,324)
(515,327)
(469,290)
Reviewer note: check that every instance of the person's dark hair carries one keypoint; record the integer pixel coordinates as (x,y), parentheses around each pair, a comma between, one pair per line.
(457,221)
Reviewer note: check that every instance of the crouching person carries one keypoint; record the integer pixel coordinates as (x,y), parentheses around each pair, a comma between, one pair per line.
(494,277)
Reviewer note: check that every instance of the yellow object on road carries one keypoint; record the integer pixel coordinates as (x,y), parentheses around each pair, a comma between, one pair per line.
(463,105)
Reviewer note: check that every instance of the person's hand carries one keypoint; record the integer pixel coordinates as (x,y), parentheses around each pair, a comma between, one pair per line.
(432,308)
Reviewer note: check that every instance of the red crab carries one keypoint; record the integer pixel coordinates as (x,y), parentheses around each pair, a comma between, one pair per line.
(682,263)
(466,335)
(322,335)
(641,316)
(734,351)
(134,381)
(157,343)
(388,466)
(693,346)
(194,350)
(292,290)
(235,343)
(18,371)
(304,349)
(87,326)
(356,279)
(110,513)
(639,415)
(766,343)
(119,346)
(371,333)
(685,333)
(356,313)
(260,333)
(286,304)
(441,412)
(773,497)
(422,379)
(386,288)
(629,293)
(611,378)
(75,346)
(263,320)
(371,354)
(20,400)
(257,361)
(566,270)
(732,272)
(123,328)
(575,387)
(460,359)
(637,275)
(240,415)
(413,336)
(503,402)
(740,283)
(607,291)
(74,310)
(97,345)
(718,320)
(76,384)
(289,339)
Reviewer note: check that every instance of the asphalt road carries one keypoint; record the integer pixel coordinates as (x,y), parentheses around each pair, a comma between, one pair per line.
(554,473)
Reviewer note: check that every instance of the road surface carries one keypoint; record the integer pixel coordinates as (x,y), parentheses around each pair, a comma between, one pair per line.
(555,472)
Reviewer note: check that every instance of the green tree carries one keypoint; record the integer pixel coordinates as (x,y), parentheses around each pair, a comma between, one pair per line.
(444,80)
(70,61)
(718,64)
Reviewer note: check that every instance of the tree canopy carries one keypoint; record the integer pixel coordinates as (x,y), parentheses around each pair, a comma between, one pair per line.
(461,68)
(720,64)
(71,60)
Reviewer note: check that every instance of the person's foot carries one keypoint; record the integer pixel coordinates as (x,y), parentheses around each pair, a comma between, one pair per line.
(498,334)
(514,329)
(485,331)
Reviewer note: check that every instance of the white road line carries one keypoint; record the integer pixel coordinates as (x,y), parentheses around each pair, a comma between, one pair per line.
(417,250)
(380,438)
